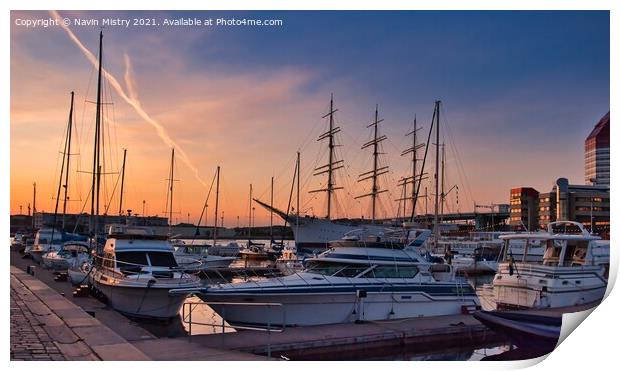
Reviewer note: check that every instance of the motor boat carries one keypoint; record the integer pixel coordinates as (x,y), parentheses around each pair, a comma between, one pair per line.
(574,269)
(72,253)
(136,269)
(364,276)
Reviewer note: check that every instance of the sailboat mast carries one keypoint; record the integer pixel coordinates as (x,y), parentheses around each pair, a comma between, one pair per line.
(96,179)
(375,156)
(217,201)
(250,213)
(171,191)
(298,211)
(436,222)
(120,204)
(414,160)
(271,213)
(68,154)
(332,164)
(330,173)
(443,178)
(376,170)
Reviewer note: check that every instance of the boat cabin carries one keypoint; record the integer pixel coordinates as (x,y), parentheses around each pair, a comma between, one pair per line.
(134,250)
(562,250)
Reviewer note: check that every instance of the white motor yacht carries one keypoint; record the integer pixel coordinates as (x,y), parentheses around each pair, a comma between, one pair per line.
(574,269)
(136,271)
(363,277)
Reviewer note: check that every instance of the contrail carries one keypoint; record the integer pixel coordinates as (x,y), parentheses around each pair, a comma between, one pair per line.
(132,98)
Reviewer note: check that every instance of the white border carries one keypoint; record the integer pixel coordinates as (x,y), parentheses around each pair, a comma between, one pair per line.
(594,342)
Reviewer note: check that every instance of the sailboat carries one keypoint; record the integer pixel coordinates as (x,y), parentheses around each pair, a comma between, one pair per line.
(48,241)
(135,269)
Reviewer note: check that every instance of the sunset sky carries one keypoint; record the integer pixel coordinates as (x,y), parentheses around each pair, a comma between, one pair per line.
(520,92)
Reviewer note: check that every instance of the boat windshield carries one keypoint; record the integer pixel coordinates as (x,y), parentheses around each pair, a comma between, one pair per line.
(162,259)
(336,269)
(392,271)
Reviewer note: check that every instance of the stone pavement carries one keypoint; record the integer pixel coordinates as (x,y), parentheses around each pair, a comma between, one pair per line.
(47,326)
(29,342)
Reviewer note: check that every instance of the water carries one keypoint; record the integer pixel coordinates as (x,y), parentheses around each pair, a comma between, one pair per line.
(475,353)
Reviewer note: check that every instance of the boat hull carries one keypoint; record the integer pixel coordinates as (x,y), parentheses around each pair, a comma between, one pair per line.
(547,287)
(304,309)
(154,302)
(77,276)
(533,332)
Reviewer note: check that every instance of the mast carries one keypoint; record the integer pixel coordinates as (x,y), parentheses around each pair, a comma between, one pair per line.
(443,168)
(96,179)
(332,164)
(298,211)
(217,200)
(62,170)
(271,213)
(414,179)
(68,154)
(171,189)
(250,214)
(376,170)
(34,202)
(120,204)
(436,222)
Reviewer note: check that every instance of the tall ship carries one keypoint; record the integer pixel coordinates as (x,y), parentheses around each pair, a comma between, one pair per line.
(313,233)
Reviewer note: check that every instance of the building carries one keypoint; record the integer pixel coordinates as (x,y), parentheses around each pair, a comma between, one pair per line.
(79,222)
(546,209)
(20,223)
(586,204)
(597,153)
(523,208)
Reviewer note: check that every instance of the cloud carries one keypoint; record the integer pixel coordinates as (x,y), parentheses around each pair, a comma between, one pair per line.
(137,106)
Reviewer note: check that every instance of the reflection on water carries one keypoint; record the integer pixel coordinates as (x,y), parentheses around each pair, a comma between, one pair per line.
(453,354)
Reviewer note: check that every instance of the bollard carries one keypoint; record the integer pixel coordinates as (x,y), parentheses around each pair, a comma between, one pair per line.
(30,270)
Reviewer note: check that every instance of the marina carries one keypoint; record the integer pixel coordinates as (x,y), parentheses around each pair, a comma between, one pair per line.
(365,235)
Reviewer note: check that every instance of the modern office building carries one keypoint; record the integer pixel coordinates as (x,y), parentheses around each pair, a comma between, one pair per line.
(523,208)
(597,153)
(586,204)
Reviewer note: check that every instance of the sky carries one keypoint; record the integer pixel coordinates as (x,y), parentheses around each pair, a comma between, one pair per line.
(520,92)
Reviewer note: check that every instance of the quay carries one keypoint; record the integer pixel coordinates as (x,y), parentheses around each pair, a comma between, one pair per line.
(62,327)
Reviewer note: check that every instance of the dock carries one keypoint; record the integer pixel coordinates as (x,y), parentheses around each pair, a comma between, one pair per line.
(83,328)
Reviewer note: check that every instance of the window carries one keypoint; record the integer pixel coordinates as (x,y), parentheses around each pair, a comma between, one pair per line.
(131,260)
(162,259)
(325,268)
(351,271)
(392,272)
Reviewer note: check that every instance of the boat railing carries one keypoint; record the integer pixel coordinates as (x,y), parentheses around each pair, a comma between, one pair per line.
(119,274)
(278,326)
